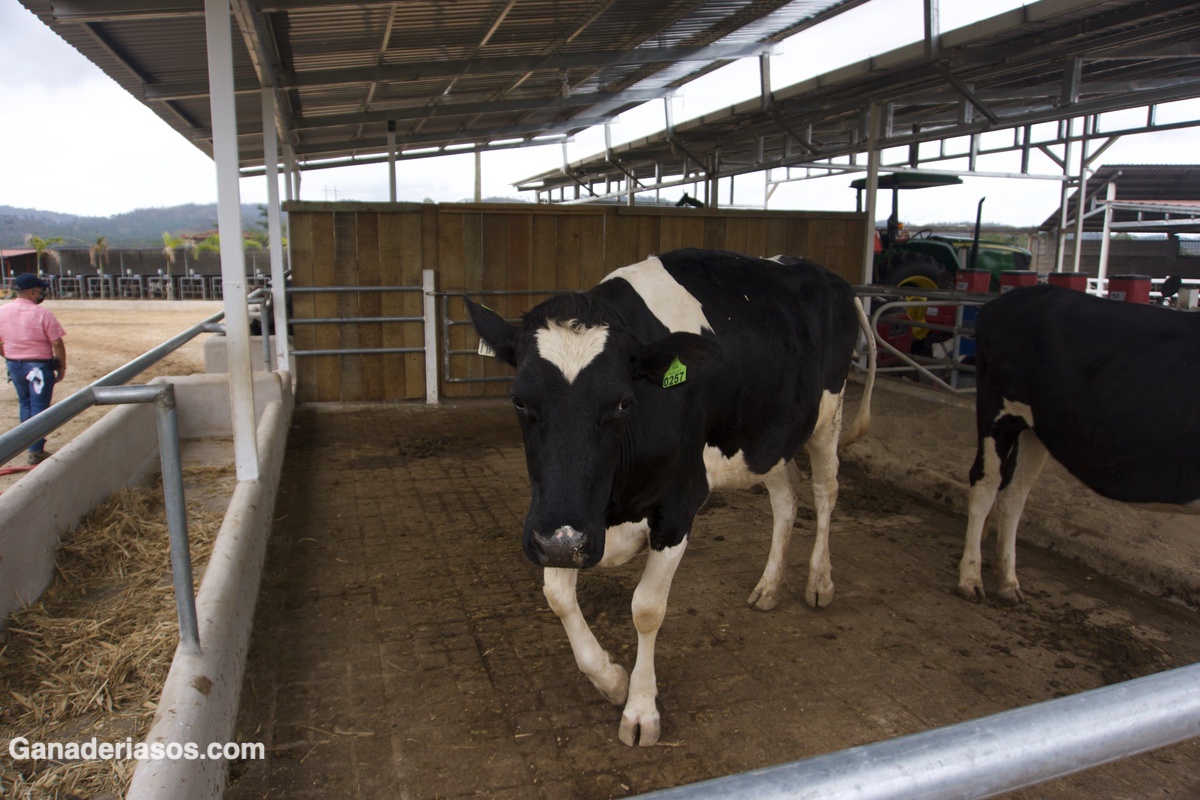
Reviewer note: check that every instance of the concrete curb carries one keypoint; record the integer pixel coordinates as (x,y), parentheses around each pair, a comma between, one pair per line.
(200,698)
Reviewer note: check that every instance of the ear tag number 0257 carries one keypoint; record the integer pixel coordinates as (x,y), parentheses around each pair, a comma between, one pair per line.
(675,374)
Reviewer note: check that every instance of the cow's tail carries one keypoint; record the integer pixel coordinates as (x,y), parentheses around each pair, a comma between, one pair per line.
(863,423)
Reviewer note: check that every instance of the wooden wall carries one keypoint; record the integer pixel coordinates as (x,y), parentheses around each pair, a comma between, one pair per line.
(496,247)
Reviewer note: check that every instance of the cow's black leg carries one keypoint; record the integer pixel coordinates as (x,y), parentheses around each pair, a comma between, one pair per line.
(1030,457)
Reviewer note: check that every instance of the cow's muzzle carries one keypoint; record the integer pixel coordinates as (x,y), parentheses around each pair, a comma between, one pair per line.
(563,548)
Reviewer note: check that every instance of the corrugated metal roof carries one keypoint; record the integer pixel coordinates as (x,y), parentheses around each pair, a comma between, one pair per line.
(448,72)
(1004,73)
(1152,185)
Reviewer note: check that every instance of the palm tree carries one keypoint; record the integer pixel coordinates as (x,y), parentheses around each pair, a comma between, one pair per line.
(42,245)
(171,243)
(98,253)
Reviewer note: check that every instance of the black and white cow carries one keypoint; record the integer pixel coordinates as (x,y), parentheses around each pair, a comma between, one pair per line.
(681,374)
(1110,389)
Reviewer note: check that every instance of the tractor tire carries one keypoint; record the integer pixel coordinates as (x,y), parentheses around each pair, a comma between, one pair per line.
(912,265)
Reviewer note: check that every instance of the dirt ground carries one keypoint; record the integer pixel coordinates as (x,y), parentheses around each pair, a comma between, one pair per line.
(103,335)
(402,647)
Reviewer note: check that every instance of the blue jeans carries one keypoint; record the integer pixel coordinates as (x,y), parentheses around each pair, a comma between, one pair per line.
(34,382)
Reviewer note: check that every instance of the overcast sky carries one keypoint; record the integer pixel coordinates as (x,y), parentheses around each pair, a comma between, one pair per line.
(74,141)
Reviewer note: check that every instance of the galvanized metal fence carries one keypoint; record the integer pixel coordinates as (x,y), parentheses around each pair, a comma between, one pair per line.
(427,290)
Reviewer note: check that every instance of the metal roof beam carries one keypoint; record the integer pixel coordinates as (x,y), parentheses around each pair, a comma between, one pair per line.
(517,64)
(83,12)
(471,109)
(379,143)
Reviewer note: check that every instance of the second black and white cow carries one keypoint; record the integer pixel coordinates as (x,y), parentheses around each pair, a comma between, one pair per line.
(1110,389)
(684,373)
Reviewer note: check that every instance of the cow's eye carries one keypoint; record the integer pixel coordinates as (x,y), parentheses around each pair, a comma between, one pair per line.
(517,402)
(625,404)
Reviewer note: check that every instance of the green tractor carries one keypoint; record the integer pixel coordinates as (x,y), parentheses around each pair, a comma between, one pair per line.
(928,260)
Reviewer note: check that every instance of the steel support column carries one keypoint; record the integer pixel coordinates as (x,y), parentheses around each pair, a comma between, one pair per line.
(1110,195)
(229,224)
(274,228)
(873,119)
(391,158)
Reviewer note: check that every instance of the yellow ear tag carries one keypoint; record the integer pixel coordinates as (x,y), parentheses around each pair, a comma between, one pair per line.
(486,349)
(675,374)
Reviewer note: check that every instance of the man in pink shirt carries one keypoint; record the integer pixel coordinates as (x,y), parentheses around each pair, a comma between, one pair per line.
(31,341)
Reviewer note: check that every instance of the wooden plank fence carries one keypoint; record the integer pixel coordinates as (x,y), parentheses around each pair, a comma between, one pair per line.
(495,248)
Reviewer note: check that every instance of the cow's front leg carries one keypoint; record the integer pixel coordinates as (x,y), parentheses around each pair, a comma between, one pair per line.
(640,722)
(609,677)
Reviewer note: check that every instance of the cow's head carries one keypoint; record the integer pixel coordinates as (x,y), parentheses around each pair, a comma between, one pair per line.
(580,374)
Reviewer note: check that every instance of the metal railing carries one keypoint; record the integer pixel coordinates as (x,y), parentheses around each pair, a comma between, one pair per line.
(988,756)
(447,324)
(427,290)
(109,391)
(945,370)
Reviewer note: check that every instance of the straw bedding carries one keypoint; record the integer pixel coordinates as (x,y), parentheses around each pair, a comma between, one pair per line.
(90,657)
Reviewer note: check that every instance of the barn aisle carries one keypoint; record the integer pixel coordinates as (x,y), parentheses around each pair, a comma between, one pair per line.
(402,647)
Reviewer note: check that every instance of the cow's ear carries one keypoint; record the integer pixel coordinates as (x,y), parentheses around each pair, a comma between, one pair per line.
(677,358)
(496,333)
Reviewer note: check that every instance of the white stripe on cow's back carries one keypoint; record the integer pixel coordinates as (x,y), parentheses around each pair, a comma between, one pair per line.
(674,306)
(1013,408)
(570,346)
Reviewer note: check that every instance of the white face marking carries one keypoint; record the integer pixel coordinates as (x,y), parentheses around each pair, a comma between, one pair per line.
(570,347)
(669,302)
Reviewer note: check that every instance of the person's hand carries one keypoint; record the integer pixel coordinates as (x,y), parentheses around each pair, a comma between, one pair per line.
(59,374)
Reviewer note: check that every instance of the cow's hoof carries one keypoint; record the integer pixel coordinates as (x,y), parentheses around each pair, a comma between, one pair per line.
(762,599)
(819,595)
(641,729)
(1011,594)
(615,687)
(972,591)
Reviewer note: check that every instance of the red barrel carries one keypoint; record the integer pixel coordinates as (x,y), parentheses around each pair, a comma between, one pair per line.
(973,280)
(1014,278)
(1130,288)
(1069,280)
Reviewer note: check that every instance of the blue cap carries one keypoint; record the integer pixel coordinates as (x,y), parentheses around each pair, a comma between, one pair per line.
(26,281)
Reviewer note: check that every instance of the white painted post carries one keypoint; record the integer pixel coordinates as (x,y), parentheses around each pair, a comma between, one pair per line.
(1081,206)
(873,118)
(275,228)
(428,287)
(1110,195)
(391,145)
(229,224)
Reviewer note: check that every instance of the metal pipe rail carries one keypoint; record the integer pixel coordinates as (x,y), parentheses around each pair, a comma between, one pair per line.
(170,461)
(354,320)
(988,756)
(448,323)
(894,297)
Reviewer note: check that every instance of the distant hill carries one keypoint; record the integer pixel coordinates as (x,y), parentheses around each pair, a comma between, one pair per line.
(142,227)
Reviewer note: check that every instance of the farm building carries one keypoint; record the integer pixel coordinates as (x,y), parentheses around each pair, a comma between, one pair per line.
(366,614)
